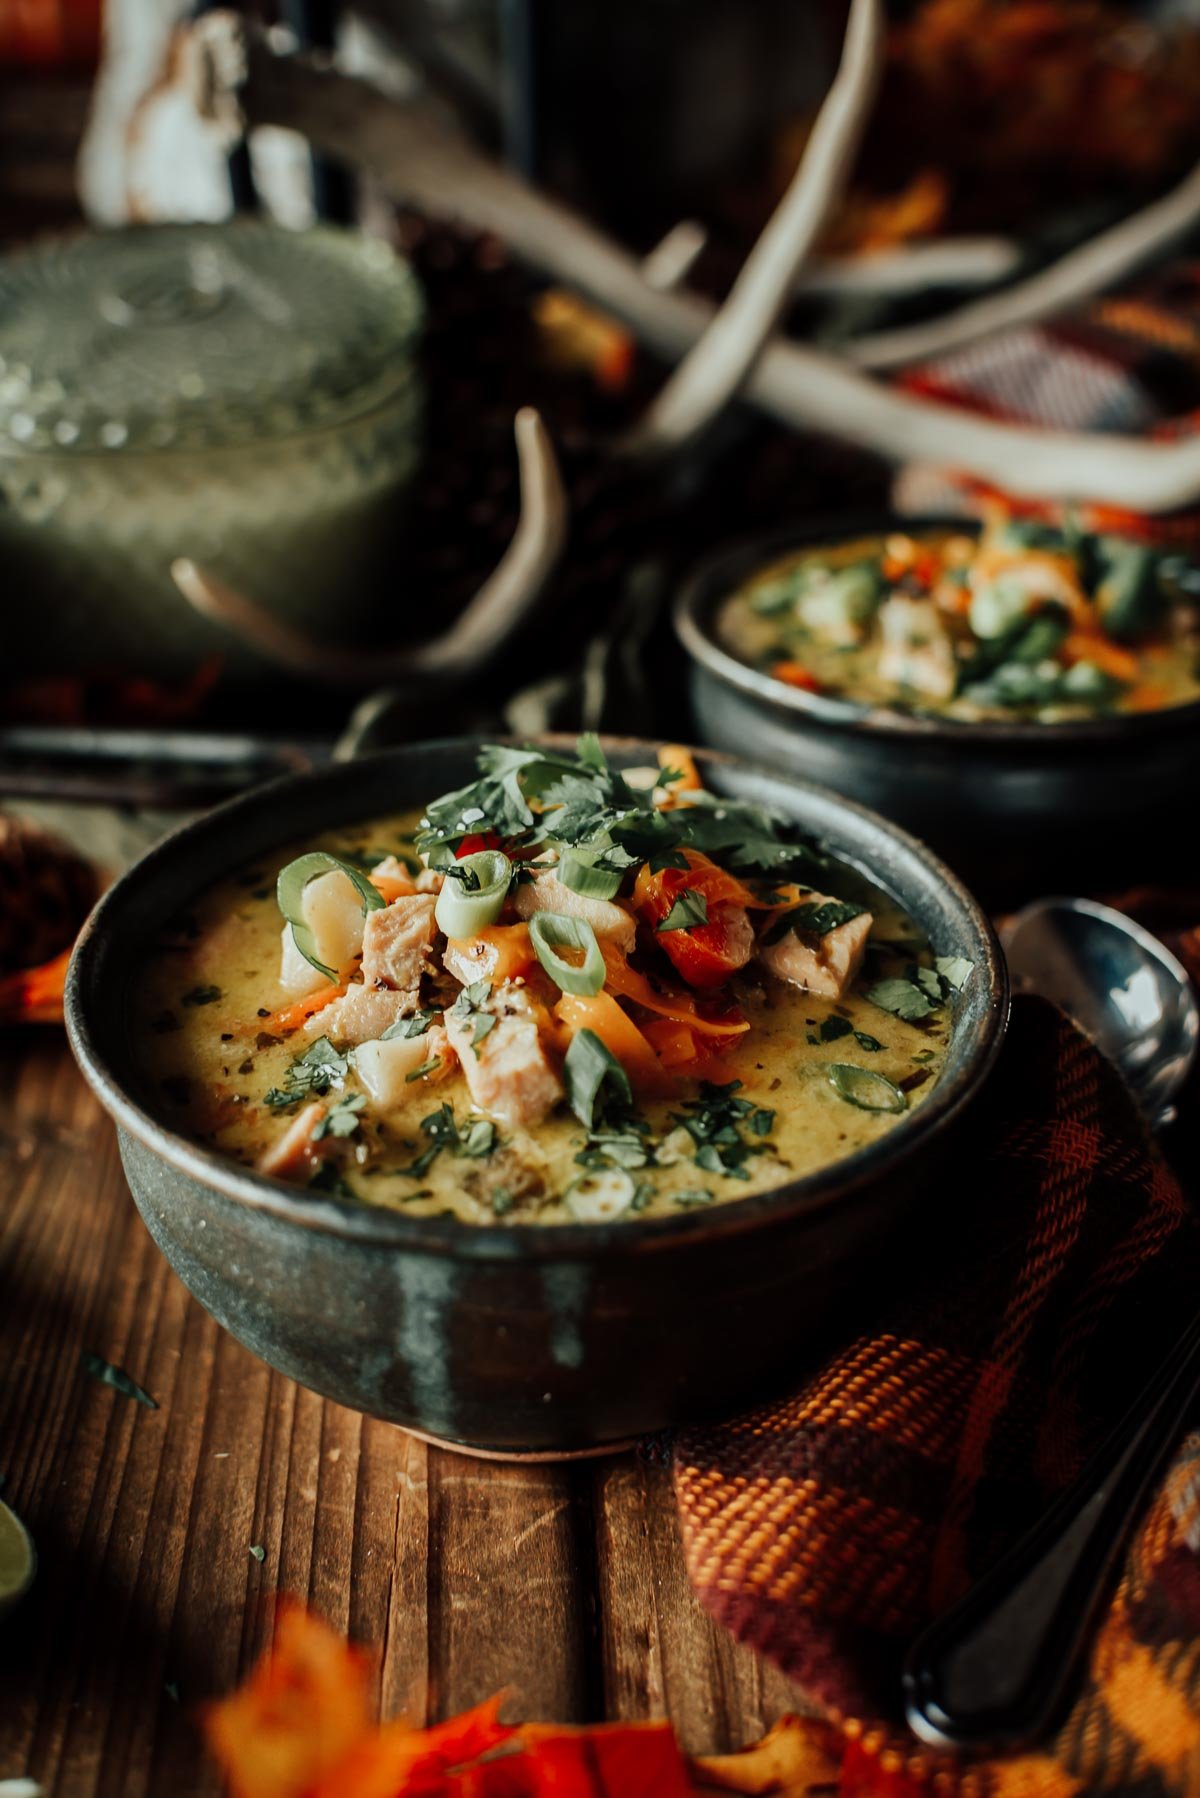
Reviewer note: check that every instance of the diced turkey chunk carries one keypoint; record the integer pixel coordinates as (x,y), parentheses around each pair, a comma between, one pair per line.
(823,964)
(915,650)
(393,870)
(389,1069)
(397,940)
(509,1071)
(295,1153)
(332,908)
(430,880)
(514,1178)
(362,1014)
(547,893)
(297,976)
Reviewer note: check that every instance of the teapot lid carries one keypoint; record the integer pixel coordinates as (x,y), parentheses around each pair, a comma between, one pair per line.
(161,337)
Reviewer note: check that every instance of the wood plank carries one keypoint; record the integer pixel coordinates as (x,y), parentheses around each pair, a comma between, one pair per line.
(510,1595)
(661,1654)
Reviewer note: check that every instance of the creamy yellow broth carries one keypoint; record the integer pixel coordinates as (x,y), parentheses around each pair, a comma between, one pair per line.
(760,627)
(209,1055)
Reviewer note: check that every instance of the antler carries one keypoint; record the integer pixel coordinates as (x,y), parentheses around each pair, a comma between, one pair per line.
(475,635)
(418,155)
(1085,270)
(713,370)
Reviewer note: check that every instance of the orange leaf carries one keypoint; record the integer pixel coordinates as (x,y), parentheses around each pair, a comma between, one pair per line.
(796,1755)
(298,1715)
(35,995)
(400,1759)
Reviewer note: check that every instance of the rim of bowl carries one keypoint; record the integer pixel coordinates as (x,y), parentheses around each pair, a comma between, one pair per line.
(714,580)
(360,1221)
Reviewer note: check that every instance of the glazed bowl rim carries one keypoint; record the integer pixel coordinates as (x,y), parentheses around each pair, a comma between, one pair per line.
(358,1221)
(714,579)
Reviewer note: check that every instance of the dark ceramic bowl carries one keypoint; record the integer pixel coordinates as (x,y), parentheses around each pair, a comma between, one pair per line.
(519,1339)
(1014,807)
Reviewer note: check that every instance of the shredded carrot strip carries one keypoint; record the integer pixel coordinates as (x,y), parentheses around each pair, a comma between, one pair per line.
(795,674)
(292,1016)
(599,1012)
(1089,646)
(628,983)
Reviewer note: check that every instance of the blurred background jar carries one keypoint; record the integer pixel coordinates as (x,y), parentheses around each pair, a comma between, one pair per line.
(238,394)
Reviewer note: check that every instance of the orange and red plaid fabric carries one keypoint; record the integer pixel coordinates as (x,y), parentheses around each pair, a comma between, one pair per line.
(1054,1264)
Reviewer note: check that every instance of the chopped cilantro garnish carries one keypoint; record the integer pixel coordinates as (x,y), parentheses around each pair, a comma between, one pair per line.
(589,1069)
(690,908)
(311,1075)
(714,1120)
(202,995)
(476,1140)
(342,1117)
(417,1025)
(820,919)
(902,998)
(469,1006)
(530,797)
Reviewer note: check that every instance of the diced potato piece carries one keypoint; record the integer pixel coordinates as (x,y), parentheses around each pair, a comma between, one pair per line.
(297,976)
(384,1067)
(914,648)
(823,964)
(547,893)
(333,911)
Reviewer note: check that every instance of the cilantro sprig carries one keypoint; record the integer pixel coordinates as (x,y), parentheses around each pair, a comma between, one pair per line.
(310,1076)
(715,1122)
(531,797)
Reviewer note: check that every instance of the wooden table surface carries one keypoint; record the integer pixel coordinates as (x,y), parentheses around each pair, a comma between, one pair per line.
(564,1583)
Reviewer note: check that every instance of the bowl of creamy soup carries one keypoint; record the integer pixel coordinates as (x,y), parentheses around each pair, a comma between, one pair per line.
(533,1095)
(1009,690)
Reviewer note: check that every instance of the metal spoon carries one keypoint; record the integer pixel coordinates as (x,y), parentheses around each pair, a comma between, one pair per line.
(1119,984)
(993,1671)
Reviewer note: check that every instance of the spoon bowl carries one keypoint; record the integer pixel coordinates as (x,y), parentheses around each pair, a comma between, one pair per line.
(1119,984)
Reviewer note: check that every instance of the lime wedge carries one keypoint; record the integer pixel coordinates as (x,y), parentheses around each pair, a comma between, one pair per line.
(18,1561)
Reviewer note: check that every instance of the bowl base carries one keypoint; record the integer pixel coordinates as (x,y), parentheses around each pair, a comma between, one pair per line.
(528,1456)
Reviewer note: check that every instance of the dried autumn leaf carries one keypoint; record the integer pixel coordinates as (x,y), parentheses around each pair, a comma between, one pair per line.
(609,1760)
(397,1759)
(800,1757)
(297,1716)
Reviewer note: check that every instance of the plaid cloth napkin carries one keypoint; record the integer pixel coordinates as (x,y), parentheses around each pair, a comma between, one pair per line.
(824,1530)
(1125,362)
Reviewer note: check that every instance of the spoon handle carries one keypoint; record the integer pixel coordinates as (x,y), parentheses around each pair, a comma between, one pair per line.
(993,1670)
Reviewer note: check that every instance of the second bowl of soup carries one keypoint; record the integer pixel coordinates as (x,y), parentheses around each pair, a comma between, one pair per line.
(1012,693)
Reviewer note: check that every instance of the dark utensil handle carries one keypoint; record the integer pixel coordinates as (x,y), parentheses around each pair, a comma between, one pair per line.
(992,1671)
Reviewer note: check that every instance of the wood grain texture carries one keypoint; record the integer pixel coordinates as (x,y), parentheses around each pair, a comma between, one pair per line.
(565,1584)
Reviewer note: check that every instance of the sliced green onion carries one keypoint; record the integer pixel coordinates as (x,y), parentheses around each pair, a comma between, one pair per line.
(578,872)
(598,1198)
(289,891)
(465,906)
(550,931)
(870,1092)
